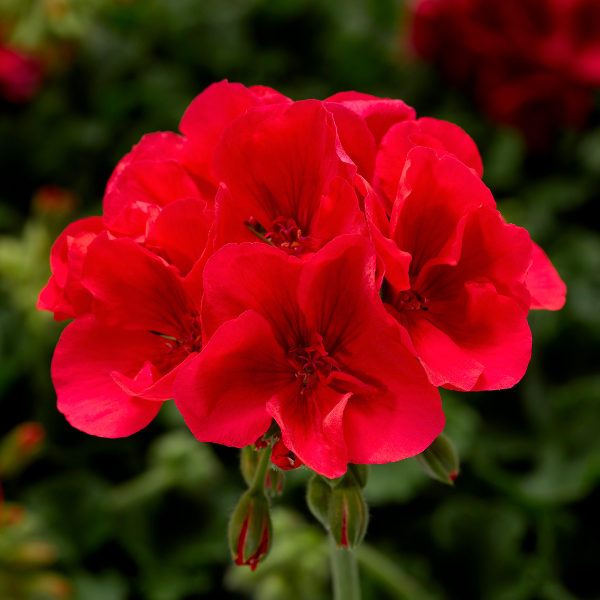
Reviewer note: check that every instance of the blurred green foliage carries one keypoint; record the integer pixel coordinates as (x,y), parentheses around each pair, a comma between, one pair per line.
(146,517)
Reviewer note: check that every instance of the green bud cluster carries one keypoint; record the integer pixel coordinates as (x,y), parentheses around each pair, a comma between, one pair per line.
(339,505)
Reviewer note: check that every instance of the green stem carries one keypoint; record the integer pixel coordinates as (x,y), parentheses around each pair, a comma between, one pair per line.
(261,470)
(344,571)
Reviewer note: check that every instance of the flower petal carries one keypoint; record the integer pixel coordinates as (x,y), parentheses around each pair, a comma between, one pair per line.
(433,194)
(548,290)
(253,277)
(379,113)
(278,165)
(181,231)
(222,393)
(311,426)
(134,288)
(88,396)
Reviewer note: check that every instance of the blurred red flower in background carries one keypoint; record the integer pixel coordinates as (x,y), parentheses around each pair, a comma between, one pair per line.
(530,63)
(20,75)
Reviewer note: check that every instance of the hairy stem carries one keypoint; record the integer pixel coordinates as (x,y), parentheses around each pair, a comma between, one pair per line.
(261,469)
(344,571)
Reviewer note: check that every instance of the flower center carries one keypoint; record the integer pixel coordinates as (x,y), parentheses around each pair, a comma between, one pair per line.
(189,341)
(312,364)
(285,234)
(411,300)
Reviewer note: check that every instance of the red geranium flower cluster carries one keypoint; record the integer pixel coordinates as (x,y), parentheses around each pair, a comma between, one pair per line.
(531,63)
(20,75)
(323,264)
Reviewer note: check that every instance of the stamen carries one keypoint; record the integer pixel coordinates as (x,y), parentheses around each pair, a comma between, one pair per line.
(411,300)
(311,364)
(285,234)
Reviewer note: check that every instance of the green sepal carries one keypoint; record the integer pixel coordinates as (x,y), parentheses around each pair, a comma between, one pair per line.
(440,460)
(318,497)
(249,459)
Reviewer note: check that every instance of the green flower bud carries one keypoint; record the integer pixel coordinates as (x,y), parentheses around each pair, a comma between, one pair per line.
(248,463)
(348,513)
(440,460)
(318,496)
(274,480)
(19,447)
(250,529)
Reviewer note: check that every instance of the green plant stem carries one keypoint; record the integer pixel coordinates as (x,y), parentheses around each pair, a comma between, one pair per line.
(261,470)
(344,572)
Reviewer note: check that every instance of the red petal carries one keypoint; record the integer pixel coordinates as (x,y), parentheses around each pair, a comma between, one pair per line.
(548,290)
(253,277)
(490,329)
(379,113)
(181,231)
(337,291)
(284,458)
(268,95)
(66,260)
(222,394)
(311,426)
(433,194)
(488,248)
(432,133)
(355,137)
(87,395)
(135,289)
(140,183)
(278,165)
(338,213)
(206,118)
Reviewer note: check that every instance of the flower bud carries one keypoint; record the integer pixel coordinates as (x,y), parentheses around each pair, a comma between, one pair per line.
(51,200)
(20,447)
(440,460)
(250,530)
(248,463)
(274,480)
(283,458)
(348,514)
(318,497)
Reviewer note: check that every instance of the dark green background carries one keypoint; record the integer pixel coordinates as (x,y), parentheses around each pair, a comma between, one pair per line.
(145,517)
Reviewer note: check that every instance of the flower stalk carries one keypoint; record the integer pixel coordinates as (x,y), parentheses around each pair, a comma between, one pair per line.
(344,572)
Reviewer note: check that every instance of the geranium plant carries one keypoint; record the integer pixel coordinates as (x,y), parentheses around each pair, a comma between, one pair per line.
(300,277)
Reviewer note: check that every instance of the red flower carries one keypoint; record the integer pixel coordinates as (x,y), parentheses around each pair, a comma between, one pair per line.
(543,282)
(112,367)
(531,63)
(20,75)
(455,274)
(309,344)
(286,180)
